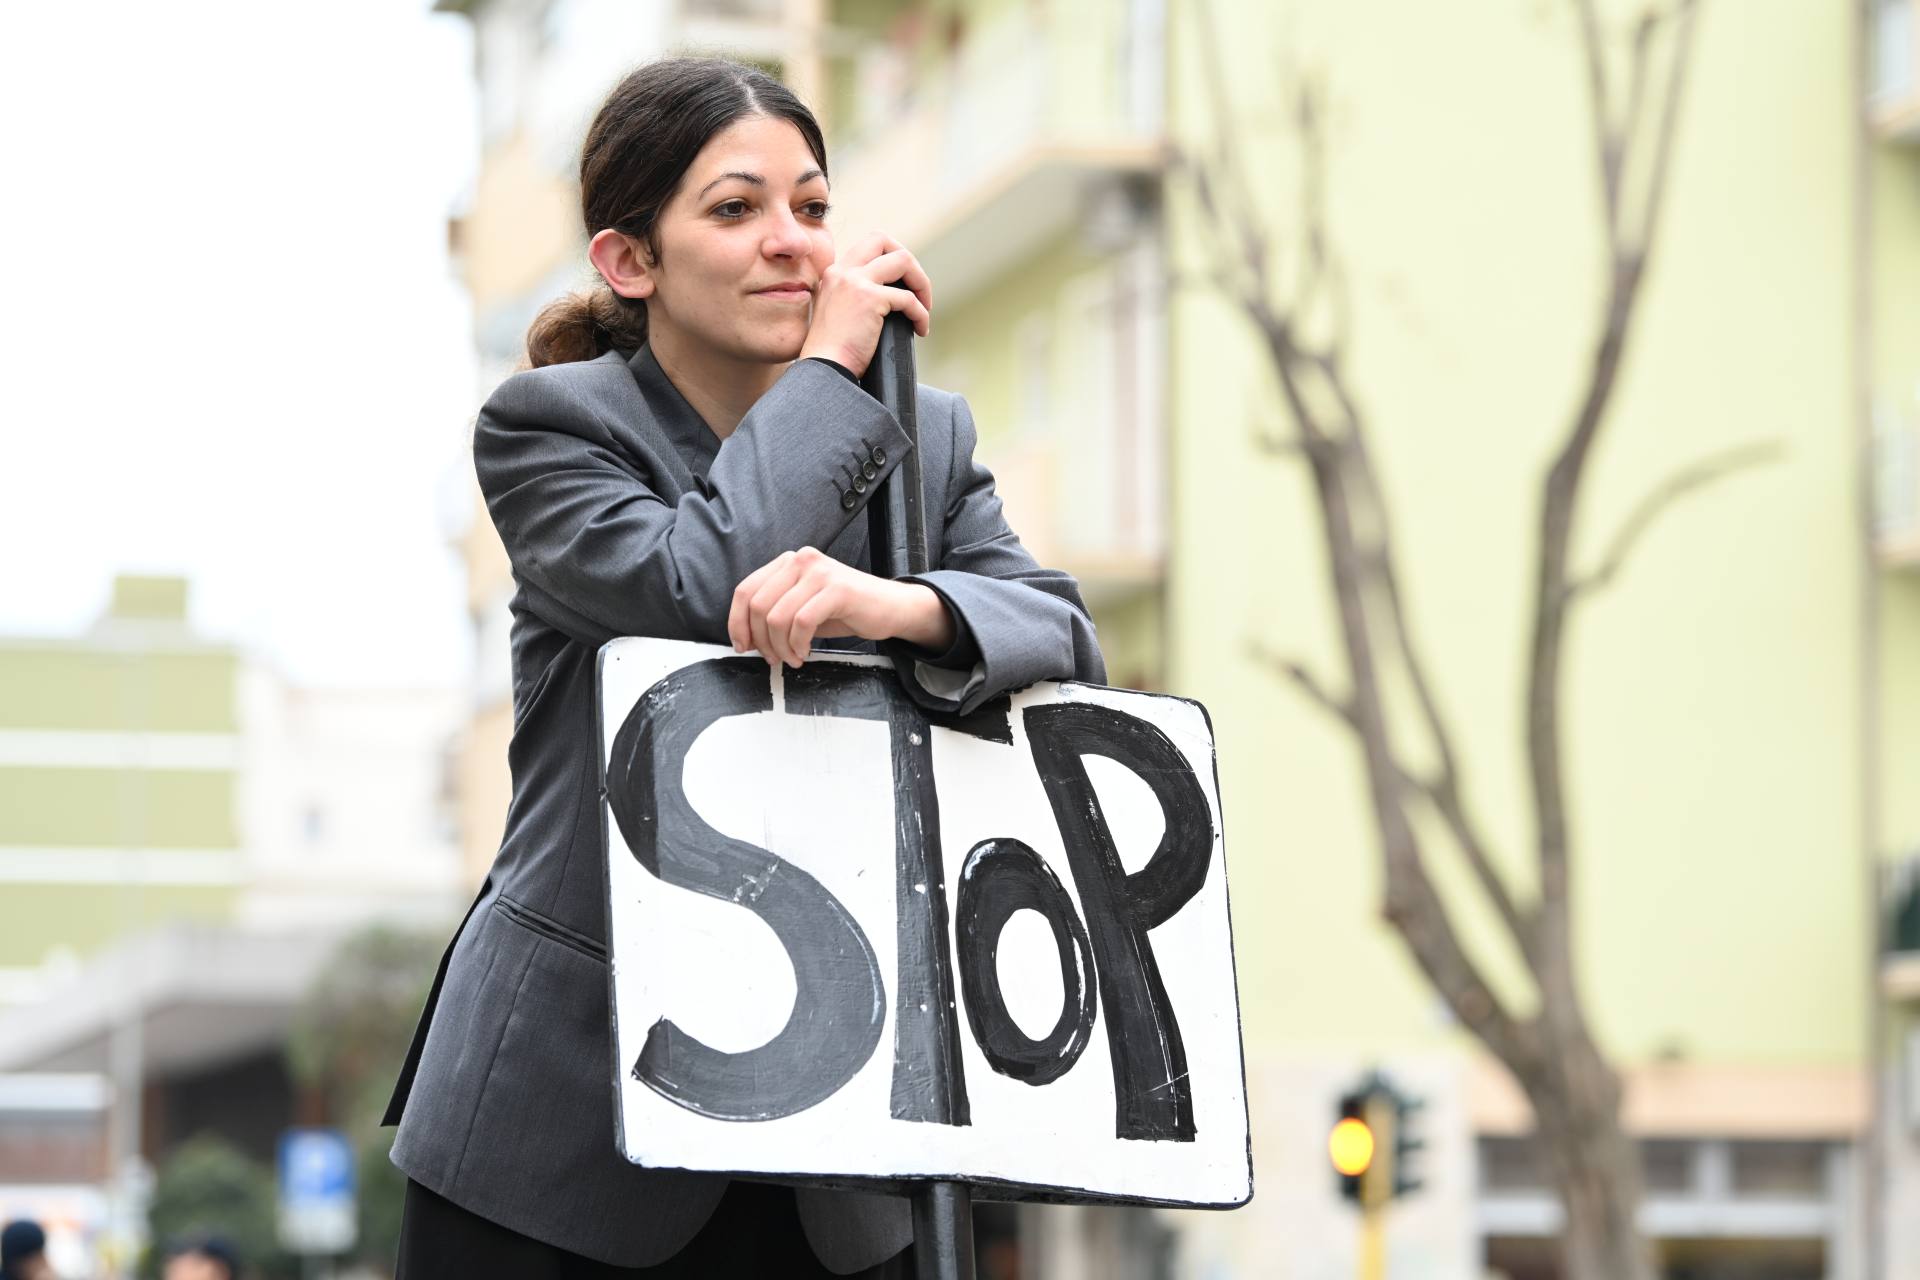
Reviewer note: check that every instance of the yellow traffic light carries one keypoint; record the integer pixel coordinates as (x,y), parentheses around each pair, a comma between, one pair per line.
(1351,1147)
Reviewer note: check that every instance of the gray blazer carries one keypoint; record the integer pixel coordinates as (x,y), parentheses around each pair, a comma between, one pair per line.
(623,514)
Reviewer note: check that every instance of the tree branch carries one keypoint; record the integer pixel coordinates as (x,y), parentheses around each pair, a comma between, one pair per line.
(1681,483)
(1558,508)
(1606,143)
(1240,207)
(1441,792)
(1643,32)
(1307,682)
(1684,14)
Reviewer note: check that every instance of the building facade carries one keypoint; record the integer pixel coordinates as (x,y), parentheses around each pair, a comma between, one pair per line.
(184,840)
(121,783)
(1892,393)
(1743,704)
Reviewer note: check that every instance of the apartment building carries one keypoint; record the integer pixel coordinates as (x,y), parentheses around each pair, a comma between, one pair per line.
(1743,704)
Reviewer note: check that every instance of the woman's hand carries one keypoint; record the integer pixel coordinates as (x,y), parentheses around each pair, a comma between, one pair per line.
(855,296)
(783,606)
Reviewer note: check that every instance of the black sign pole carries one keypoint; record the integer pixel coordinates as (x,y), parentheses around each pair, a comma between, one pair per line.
(897,544)
(897,532)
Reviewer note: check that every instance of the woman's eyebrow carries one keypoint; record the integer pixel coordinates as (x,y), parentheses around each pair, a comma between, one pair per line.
(757,180)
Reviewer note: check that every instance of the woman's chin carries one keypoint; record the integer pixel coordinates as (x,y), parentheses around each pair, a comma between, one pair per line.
(781,349)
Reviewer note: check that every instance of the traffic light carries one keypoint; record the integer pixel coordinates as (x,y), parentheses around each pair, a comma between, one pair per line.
(1352,1145)
(1373,1143)
(1405,1144)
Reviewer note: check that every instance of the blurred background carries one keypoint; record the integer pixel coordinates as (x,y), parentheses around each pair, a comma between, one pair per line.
(1201,270)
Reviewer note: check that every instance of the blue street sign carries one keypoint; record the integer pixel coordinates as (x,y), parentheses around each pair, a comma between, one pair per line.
(316,1191)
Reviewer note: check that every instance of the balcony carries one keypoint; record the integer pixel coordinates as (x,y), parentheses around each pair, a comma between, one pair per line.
(1031,122)
(1896,485)
(1893,94)
(1900,961)
(1081,471)
(758,29)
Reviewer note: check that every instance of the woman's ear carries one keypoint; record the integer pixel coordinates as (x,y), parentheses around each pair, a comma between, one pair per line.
(621,261)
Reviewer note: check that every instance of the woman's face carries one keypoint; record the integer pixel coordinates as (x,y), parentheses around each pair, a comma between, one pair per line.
(750,213)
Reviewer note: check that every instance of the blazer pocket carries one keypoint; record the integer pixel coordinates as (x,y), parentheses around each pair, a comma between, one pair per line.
(549,928)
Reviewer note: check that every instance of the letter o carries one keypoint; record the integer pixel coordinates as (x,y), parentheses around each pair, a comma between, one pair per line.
(999,878)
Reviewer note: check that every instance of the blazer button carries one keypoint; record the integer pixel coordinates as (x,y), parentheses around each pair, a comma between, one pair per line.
(859,484)
(868,470)
(879,456)
(848,501)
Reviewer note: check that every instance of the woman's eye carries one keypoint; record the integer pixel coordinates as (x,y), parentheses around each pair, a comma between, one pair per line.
(737,208)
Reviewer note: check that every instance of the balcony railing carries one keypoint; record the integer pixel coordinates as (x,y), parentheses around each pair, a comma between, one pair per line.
(1896,486)
(1082,472)
(1006,143)
(1893,92)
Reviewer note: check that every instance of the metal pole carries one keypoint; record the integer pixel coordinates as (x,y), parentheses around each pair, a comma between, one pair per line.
(897,531)
(943,1232)
(1373,1244)
(1376,1184)
(126,1042)
(897,544)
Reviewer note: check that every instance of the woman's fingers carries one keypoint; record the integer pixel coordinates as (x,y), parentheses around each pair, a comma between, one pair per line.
(819,610)
(846,321)
(901,269)
(822,579)
(758,592)
(764,599)
(739,628)
(784,606)
(914,310)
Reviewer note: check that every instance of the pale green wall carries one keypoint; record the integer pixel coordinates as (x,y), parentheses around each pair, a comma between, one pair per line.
(111,808)
(69,690)
(63,685)
(1712,726)
(1900,713)
(1895,177)
(977,348)
(1081,59)
(41,917)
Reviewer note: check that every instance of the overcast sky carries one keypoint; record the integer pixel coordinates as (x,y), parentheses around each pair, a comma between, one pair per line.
(234,345)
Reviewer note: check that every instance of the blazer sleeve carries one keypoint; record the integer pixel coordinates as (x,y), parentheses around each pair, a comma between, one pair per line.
(600,554)
(1015,622)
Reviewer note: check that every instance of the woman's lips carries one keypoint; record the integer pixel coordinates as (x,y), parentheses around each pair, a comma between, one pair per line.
(786,294)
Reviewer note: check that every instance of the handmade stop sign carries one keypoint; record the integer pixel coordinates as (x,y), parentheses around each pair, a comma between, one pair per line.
(850,941)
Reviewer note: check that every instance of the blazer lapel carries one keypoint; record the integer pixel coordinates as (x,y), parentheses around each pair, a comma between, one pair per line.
(692,439)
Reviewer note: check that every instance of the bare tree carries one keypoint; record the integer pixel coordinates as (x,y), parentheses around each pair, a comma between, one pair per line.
(1551,1052)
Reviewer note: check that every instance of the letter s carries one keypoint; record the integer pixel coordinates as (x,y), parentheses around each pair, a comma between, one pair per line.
(840,998)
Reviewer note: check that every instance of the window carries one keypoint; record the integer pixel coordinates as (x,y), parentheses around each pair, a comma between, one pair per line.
(1666,1165)
(1893,50)
(1779,1168)
(1511,1164)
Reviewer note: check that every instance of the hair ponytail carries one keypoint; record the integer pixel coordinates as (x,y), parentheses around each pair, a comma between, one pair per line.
(584,325)
(636,152)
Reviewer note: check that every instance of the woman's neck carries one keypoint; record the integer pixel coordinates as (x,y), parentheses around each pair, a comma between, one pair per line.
(721,390)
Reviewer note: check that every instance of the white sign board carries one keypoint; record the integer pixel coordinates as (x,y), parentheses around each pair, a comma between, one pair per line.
(851,943)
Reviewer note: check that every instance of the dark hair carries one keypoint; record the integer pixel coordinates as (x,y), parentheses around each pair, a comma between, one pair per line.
(19,1241)
(216,1249)
(636,152)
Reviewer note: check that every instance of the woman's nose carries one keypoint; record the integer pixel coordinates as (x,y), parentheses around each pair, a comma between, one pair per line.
(786,236)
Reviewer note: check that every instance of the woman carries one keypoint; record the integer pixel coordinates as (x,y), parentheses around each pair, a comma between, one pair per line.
(689,457)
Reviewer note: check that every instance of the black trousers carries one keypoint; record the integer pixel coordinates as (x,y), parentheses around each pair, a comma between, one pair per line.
(754,1232)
